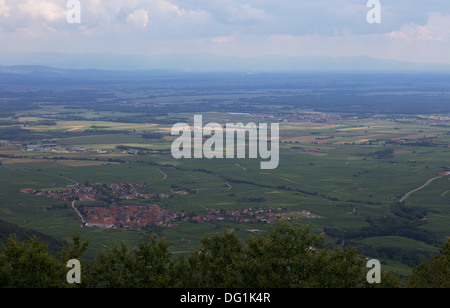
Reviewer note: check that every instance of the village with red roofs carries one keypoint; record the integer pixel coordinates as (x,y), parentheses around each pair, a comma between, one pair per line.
(108,212)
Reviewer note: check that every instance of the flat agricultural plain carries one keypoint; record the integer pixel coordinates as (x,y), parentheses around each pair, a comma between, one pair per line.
(344,174)
(336,172)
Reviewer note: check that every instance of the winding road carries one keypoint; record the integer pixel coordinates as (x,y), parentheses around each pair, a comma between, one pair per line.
(419,188)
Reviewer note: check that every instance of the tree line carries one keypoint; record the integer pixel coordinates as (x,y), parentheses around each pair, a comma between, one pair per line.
(287,255)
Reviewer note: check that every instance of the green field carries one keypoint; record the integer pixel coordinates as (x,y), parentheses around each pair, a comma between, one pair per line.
(335,170)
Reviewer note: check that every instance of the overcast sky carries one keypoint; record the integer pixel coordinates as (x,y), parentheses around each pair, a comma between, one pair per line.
(411,30)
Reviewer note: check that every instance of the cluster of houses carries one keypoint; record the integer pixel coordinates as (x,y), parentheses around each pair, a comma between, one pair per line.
(49,147)
(139,216)
(309,117)
(126,216)
(264,215)
(111,214)
(249,215)
(104,192)
(73,193)
(43,147)
(419,141)
(313,117)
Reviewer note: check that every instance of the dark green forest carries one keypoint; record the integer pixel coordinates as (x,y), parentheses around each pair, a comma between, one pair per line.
(288,255)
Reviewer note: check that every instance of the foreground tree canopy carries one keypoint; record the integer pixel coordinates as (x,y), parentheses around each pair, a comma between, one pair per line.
(288,255)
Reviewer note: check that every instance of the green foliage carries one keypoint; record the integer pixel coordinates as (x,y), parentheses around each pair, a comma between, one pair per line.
(385,153)
(22,234)
(29,265)
(291,257)
(399,221)
(219,261)
(147,266)
(433,273)
(288,255)
(15,133)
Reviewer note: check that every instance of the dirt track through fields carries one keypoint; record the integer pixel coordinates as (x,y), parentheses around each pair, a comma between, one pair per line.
(419,188)
(165,175)
(78,213)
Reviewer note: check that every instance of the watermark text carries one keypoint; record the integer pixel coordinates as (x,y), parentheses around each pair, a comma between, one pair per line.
(374,15)
(74,13)
(237,135)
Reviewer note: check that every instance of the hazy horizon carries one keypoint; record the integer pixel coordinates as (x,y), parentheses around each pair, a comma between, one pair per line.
(413,32)
(207,62)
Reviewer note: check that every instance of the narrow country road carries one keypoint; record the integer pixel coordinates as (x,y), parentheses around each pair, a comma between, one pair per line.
(76,211)
(165,175)
(419,188)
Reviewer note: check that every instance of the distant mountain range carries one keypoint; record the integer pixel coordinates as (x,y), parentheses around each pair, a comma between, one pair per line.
(211,62)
